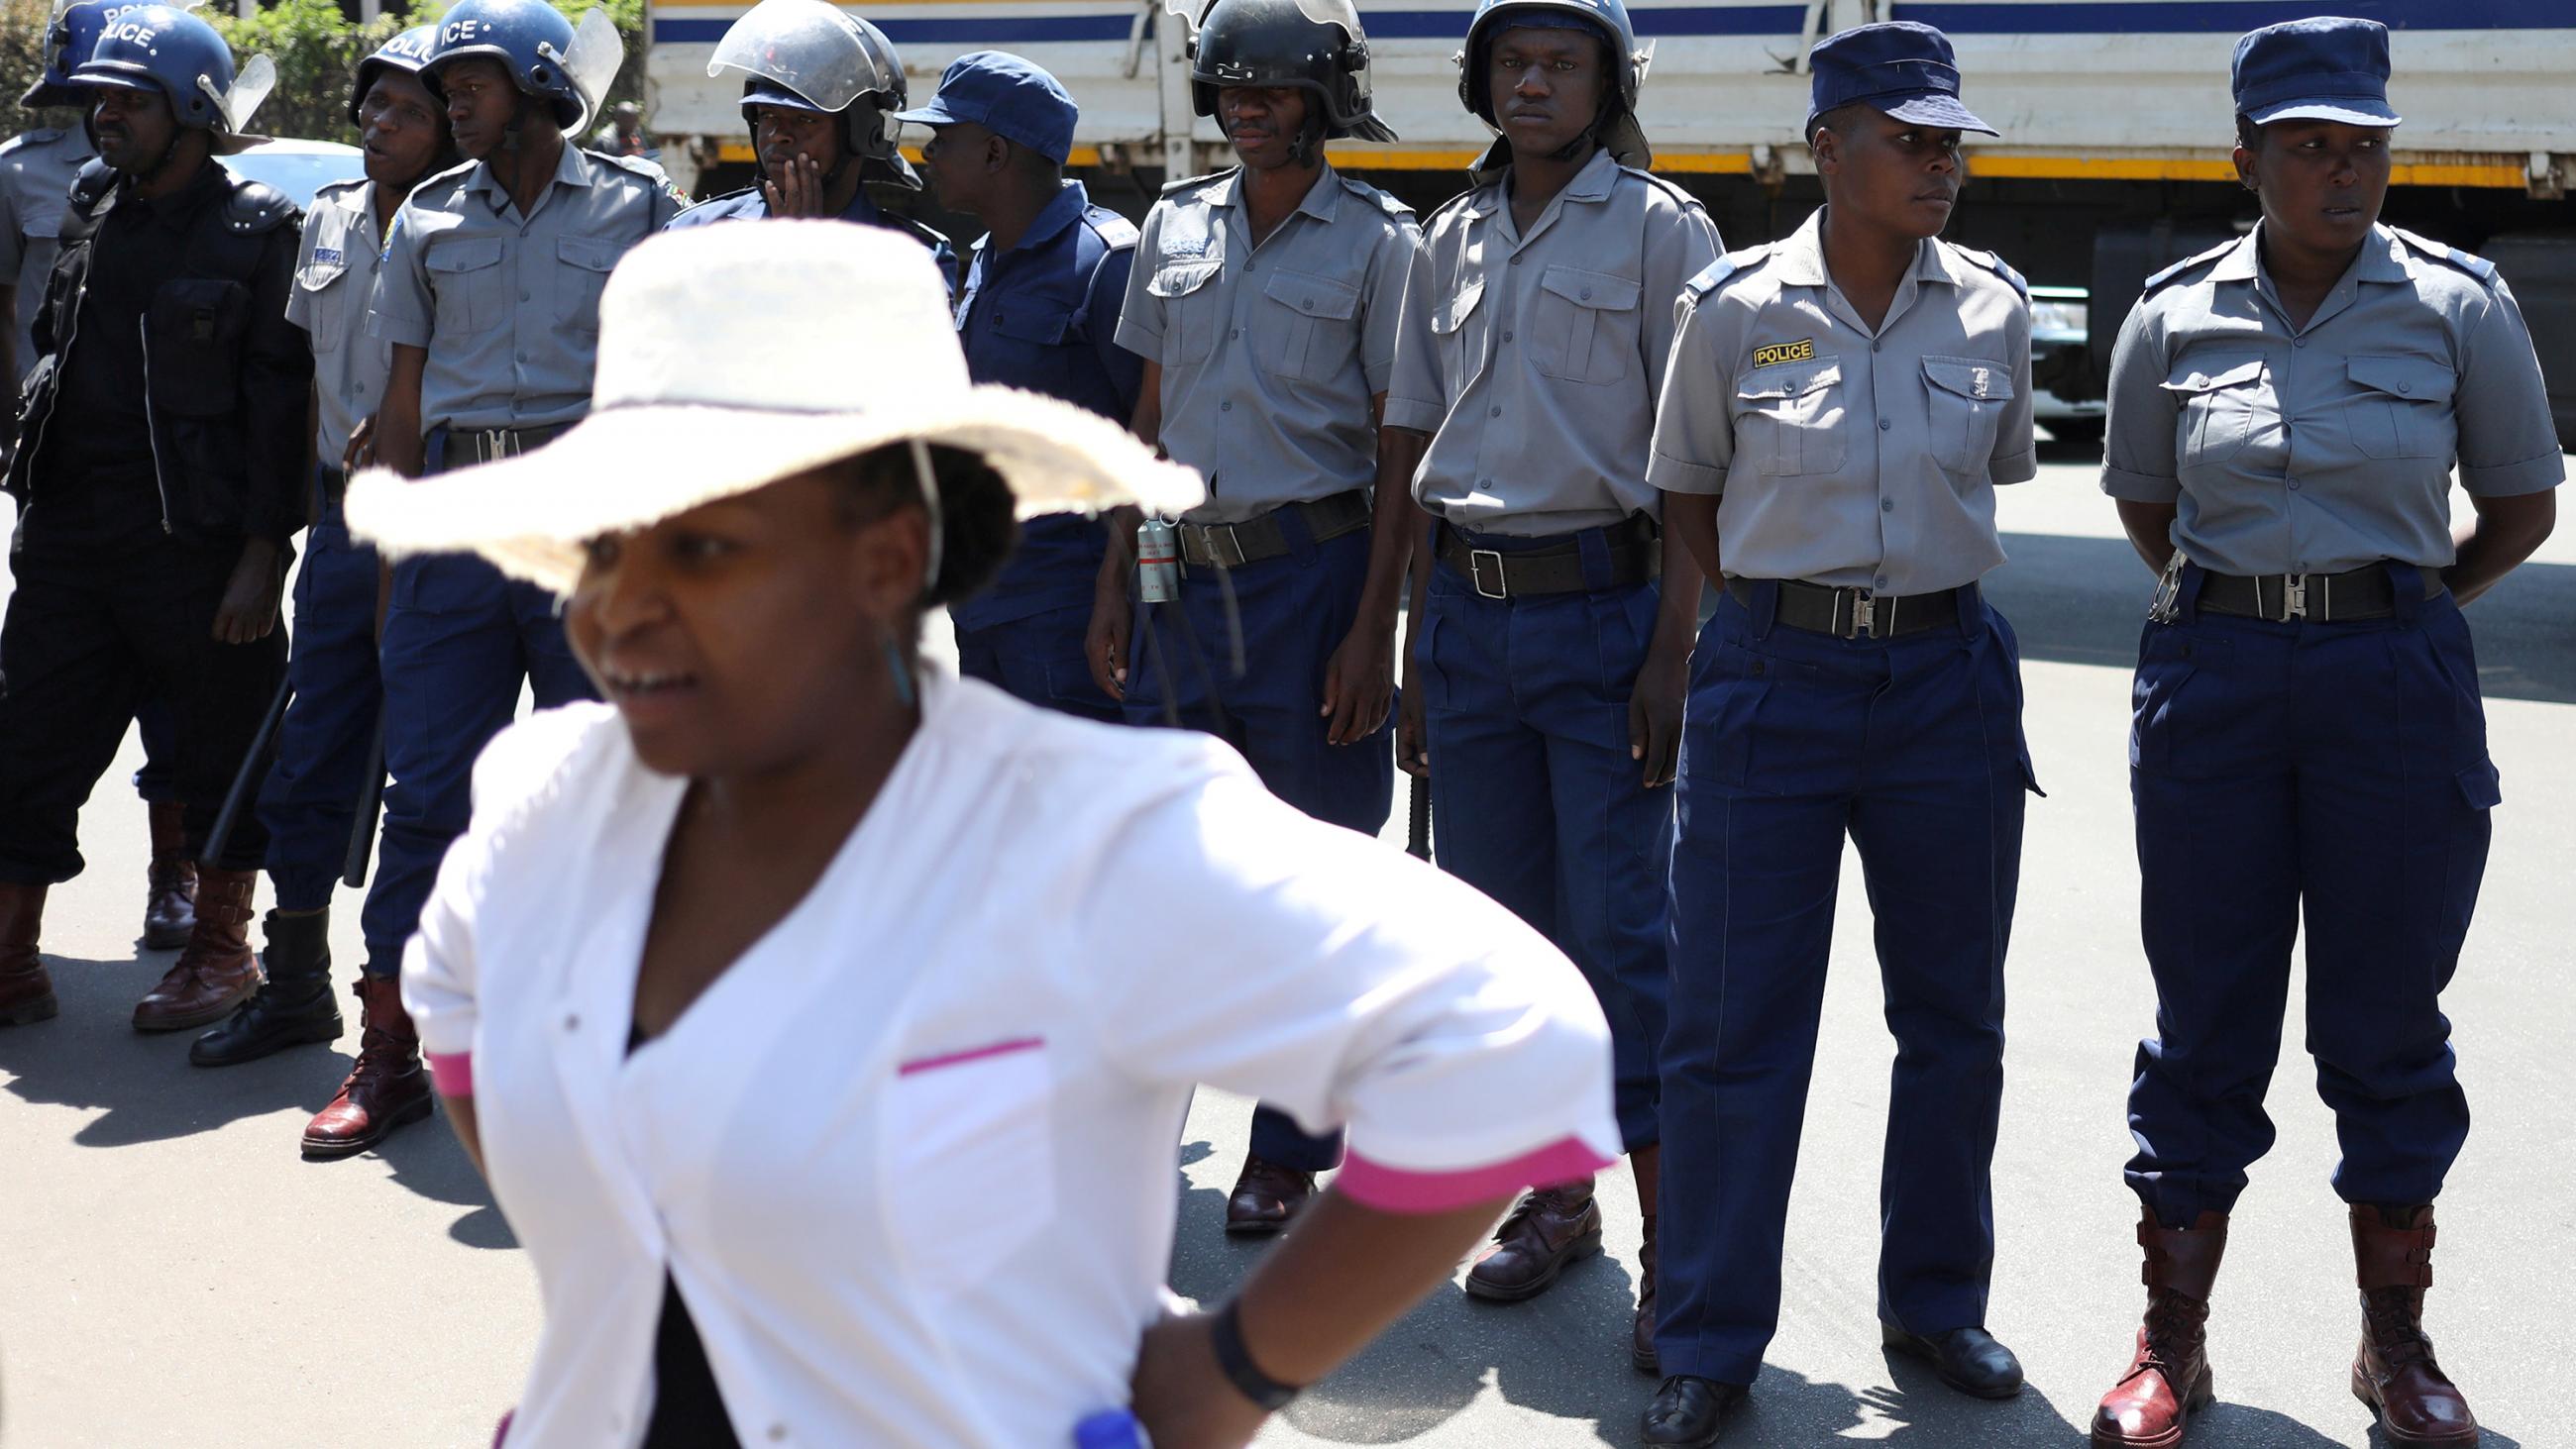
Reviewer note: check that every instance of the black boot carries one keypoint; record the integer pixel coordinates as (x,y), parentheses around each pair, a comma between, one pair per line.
(294,1005)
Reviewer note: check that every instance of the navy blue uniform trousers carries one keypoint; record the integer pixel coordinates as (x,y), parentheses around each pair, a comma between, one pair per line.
(1038,658)
(1913,748)
(1535,800)
(1294,611)
(2335,772)
(459,640)
(157,783)
(310,802)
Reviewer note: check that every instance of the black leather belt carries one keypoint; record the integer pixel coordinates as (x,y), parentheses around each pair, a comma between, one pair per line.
(1852,613)
(1232,545)
(331,483)
(2363,593)
(490,445)
(1636,555)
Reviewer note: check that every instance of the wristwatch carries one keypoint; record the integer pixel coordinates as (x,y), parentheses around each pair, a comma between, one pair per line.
(1225,1335)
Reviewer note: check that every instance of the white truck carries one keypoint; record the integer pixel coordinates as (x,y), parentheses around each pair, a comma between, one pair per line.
(2115,118)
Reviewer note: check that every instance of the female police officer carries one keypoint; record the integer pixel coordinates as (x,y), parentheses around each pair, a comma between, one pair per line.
(2285,414)
(1837,412)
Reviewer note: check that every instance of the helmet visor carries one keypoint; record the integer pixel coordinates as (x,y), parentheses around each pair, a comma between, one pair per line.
(806,47)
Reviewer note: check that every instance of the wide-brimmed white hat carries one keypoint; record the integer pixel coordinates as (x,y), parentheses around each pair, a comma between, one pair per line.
(735,355)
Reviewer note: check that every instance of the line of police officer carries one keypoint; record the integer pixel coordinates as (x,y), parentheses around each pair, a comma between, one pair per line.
(1594,411)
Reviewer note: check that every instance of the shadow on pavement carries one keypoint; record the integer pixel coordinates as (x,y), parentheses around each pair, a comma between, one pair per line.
(90,1057)
(427,1159)
(2084,600)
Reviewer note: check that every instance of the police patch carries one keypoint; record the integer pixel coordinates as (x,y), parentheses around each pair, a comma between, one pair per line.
(328,256)
(1802,350)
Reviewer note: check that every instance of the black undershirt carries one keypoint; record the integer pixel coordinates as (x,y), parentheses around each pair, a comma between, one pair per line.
(688,1409)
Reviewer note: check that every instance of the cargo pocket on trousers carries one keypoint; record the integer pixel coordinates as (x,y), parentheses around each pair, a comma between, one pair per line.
(1726,698)
(2166,664)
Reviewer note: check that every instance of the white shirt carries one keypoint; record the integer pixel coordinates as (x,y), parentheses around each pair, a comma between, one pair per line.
(910,1159)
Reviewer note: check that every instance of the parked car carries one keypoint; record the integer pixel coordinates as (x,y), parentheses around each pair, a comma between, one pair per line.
(2059,339)
(298,168)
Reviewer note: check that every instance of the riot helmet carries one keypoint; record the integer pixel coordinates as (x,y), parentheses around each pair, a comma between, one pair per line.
(1616,128)
(547,59)
(1314,45)
(407,52)
(71,33)
(161,48)
(809,55)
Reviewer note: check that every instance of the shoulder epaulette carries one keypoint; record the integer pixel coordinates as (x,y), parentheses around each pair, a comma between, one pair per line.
(2469,262)
(1716,272)
(94,181)
(255,207)
(1112,228)
(28,140)
(1998,266)
(922,232)
(1666,186)
(1186,182)
(2174,273)
(334,188)
(1385,203)
(453,176)
(1463,198)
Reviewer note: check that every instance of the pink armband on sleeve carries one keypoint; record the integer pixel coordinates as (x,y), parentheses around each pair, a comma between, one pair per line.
(1403,1190)
(453,1072)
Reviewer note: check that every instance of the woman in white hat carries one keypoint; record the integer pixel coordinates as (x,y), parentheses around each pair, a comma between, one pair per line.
(822,1021)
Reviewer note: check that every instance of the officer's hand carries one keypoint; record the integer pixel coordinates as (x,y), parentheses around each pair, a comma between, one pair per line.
(798,190)
(1359,683)
(1655,712)
(1182,1397)
(1105,643)
(1412,734)
(249,607)
(361,449)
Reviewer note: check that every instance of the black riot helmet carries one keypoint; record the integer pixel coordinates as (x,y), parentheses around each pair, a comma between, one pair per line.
(1616,128)
(1314,45)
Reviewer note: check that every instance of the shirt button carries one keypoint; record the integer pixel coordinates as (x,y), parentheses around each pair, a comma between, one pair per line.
(572,1021)
(1234,332)
(1507,337)
(1486,484)
(1516,261)
(1882,582)
(1226,407)
(1875,344)
(1493,412)
(1307,302)
(2404,387)
(523,296)
(2294,485)
(1587,294)
(2301,342)
(523,357)
(1252,266)
(777,1433)
(1887,505)
(1885,423)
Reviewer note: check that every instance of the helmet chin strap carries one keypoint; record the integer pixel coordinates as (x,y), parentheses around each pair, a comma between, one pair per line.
(930,504)
(1308,146)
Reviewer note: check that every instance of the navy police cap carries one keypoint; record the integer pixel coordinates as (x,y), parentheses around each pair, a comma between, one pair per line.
(1903,68)
(2324,69)
(1013,98)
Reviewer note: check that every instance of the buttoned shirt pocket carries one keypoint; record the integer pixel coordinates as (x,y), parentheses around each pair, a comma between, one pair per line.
(1585,326)
(326,302)
(2220,399)
(1190,308)
(465,278)
(1965,399)
(968,1157)
(2401,407)
(1457,326)
(1039,324)
(1791,418)
(192,334)
(581,274)
(1310,333)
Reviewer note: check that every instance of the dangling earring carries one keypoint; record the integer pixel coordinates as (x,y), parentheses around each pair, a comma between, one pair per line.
(900,671)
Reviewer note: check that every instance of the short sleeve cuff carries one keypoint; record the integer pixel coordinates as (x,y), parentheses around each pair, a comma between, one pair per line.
(2018,467)
(2534,475)
(2139,487)
(1673,475)
(1146,342)
(1390,1189)
(1415,414)
(401,331)
(453,1072)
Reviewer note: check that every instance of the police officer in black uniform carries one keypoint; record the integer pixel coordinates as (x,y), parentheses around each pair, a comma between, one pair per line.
(160,476)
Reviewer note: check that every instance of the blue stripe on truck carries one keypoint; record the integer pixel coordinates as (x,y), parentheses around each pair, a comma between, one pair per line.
(1959,17)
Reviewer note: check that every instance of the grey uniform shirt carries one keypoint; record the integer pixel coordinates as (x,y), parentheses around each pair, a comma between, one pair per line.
(1271,355)
(508,305)
(2322,448)
(1534,361)
(36,172)
(1843,456)
(335,273)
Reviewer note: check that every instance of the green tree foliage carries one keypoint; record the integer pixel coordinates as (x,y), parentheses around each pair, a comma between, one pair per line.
(316,50)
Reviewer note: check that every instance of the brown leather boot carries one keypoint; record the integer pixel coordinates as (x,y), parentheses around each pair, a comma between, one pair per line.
(1266,1197)
(2394,1372)
(1550,1229)
(26,992)
(387,1087)
(217,971)
(2168,1378)
(170,904)
(1647,1164)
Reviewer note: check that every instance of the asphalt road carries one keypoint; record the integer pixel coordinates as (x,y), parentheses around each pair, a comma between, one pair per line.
(177,1276)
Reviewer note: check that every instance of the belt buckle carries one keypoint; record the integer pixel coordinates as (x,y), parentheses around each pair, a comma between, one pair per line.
(1233,546)
(1864,614)
(2294,597)
(496,444)
(1476,570)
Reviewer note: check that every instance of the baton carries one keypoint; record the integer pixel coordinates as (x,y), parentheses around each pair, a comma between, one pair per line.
(252,764)
(1418,838)
(362,826)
